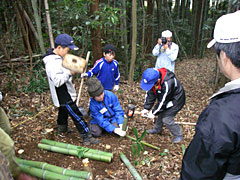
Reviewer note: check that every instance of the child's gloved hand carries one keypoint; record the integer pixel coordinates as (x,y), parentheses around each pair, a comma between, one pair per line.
(144,113)
(119,132)
(116,88)
(150,115)
(84,75)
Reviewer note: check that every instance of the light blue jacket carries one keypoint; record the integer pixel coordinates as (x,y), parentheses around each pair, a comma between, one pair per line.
(167,58)
(106,112)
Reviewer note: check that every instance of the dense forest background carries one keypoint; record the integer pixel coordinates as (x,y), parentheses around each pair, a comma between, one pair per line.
(28,27)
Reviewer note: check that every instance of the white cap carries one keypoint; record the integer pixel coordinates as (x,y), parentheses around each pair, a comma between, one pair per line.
(227,29)
(167,33)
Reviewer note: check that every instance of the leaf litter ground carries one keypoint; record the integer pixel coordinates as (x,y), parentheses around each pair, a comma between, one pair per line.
(196,76)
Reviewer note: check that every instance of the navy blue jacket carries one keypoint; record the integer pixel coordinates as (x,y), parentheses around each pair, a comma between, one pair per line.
(215,148)
(106,72)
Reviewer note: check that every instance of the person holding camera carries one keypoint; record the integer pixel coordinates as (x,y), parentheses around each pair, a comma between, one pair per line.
(166,51)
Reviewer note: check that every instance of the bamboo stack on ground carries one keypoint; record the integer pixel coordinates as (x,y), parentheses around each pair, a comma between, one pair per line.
(55,169)
(44,174)
(130,167)
(74,147)
(84,152)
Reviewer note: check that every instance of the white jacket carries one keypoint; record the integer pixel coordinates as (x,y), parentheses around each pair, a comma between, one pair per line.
(60,80)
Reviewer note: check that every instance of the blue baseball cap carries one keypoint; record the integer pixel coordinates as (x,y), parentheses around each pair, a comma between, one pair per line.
(149,78)
(65,40)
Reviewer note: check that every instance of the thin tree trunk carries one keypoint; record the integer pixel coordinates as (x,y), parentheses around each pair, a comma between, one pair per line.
(49,23)
(25,34)
(37,18)
(29,22)
(96,34)
(134,38)
(149,26)
(143,28)
(125,39)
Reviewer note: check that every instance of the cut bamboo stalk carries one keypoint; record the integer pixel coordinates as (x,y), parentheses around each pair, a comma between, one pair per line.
(44,174)
(145,143)
(73,152)
(56,169)
(79,148)
(130,167)
(125,123)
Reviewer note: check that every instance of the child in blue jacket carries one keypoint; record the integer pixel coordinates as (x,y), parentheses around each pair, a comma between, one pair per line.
(106,69)
(106,111)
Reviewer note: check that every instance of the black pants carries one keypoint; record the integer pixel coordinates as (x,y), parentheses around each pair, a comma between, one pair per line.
(72,110)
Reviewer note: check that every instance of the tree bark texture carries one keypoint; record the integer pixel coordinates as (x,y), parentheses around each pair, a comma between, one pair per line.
(96,34)
(134,38)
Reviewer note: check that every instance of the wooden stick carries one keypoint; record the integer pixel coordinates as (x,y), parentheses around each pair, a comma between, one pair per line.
(82,80)
(183,123)
(186,123)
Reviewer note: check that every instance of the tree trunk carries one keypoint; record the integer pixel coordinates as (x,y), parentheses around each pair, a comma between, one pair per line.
(96,34)
(125,39)
(49,23)
(37,18)
(134,38)
(198,26)
(149,26)
(25,33)
(143,28)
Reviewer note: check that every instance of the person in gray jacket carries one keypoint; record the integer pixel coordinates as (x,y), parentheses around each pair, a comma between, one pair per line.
(62,90)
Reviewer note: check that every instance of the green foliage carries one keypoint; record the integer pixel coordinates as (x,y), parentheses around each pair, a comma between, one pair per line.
(12,82)
(137,147)
(164,153)
(183,149)
(15,112)
(38,83)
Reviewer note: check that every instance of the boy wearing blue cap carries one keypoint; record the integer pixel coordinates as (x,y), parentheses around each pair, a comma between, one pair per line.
(106,69)
(62,90)
(163,86)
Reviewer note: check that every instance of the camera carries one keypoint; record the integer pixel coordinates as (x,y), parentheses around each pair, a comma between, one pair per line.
(164,40)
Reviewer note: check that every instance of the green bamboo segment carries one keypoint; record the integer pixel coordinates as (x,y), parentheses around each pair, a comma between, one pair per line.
(145,143)
(79,148)
(130,167)
(44,174)
(125,123)
(56,169)
(73,152)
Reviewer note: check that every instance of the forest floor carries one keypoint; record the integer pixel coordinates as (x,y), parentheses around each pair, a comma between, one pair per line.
(33,118)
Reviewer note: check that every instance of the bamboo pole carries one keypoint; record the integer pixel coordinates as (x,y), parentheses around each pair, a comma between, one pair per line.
(73,152)
(43,174)
(56,169)
(130,167)
(145,143)
(79,148)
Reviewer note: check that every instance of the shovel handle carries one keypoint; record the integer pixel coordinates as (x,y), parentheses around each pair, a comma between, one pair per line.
(82,80)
